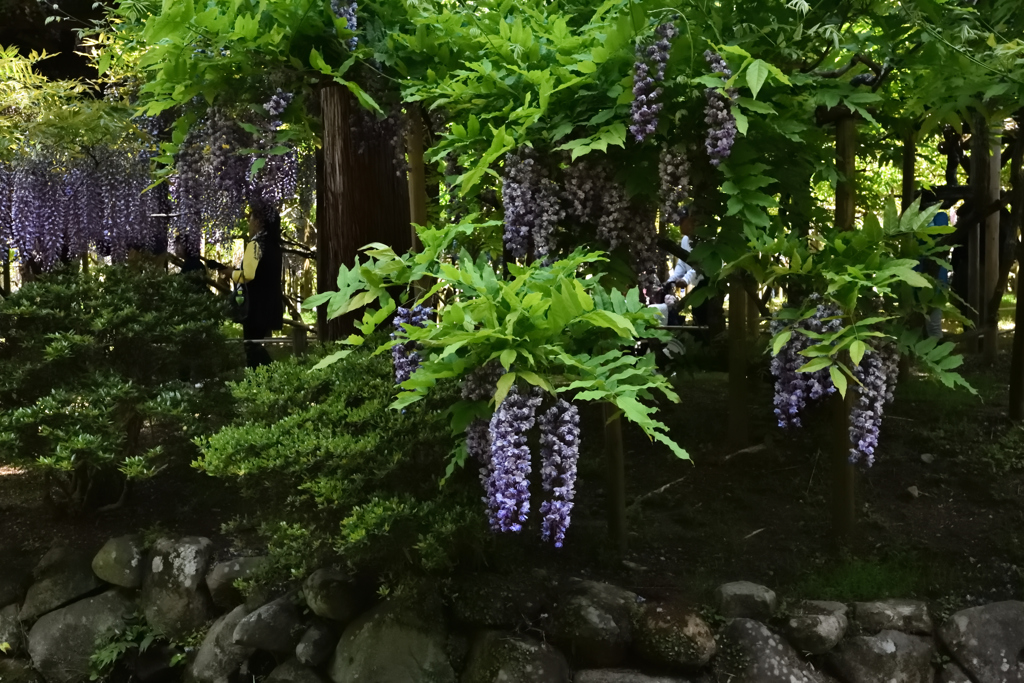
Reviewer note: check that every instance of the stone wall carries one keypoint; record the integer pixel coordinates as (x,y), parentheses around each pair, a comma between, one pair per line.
(481,628)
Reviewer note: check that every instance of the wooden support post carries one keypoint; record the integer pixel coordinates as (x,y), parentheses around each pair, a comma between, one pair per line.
(417,172)
(979,192)
(846,164)
(299,341)
(844,512)
(990,296)
(843,495)
(1017,219)
(753,320)
(738,418)
(909,169)
(7,272)
(615,463)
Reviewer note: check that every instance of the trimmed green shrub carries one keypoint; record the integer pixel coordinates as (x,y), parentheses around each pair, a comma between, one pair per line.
(104,376)
(338,475)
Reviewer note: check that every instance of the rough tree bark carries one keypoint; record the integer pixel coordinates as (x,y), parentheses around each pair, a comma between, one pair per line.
(360,199)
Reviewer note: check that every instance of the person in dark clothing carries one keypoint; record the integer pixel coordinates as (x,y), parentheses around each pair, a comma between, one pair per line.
(261,276)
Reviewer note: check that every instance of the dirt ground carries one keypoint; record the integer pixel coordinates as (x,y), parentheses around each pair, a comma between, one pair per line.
(760,516)
(953,539)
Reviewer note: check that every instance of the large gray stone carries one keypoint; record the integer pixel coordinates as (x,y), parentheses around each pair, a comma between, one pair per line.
(62,576)
(317,644)
(816,627)
(673,637)
(499,657)
(890,656)
(593,623)
(220,581)
(11,631)
(219,656)
(276,627)
(395,642)
(18,671)
(174,597)
(505,657)
(623,676)
(293,672)
(750,653)
(14,581)
(331,593)
(498,601)
(743,599)
(121,561)
(62,641)
(909,616)
(987,641)
(951,673)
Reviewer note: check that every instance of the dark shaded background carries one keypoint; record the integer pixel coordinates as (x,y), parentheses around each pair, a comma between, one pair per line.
(22,23)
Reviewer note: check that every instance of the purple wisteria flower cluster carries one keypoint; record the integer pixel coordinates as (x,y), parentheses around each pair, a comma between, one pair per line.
(592,197)
(718,114)
(532,205)
(214,182)
(479,385)
(793,390)
(277,103)
(648,72)
(877,374)
(405,356)
(674,173)
(559,447)
(53,207)
(508,482)
(278,179)
(347,11)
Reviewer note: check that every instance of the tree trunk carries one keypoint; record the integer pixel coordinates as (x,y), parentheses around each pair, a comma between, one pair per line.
(738,418)
(7,272)
(360,199)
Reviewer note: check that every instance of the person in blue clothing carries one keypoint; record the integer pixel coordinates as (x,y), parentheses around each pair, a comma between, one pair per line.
(933,322)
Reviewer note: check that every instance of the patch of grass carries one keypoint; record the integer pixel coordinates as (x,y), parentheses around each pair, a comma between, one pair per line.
(1006,453)
(858,579)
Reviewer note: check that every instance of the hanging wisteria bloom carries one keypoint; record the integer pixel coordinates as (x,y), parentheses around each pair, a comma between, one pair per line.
(405,356)
(277,179)
(532,205)
(877,374)
(479,386)
(508,481)
(674,174)
(794,389)
(559,451)
(718,113)
(648,72)
(347,11)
